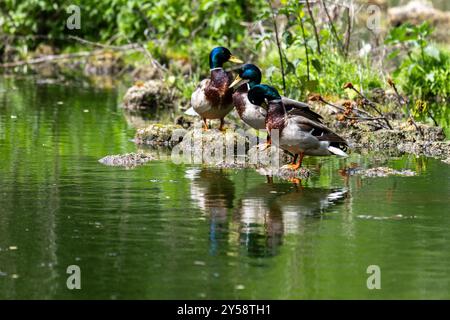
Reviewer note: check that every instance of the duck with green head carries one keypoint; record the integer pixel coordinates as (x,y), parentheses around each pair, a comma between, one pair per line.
(213,97)
(249,76)
(297,134)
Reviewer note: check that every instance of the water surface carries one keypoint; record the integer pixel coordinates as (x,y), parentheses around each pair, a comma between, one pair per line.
(164,231)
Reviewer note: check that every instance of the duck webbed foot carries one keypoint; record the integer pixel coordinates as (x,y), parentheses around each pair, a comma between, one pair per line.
(296,165)
(222,123)
(296,181)
(266,145)
(205,124)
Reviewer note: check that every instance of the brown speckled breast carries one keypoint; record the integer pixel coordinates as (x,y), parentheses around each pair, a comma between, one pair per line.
(275,117)
(218,92)
(239,99)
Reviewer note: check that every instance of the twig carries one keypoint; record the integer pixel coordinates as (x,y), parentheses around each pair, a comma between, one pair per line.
(45,59)
(364,119)
(153,61)
(313,21)
(306,47)
(401,101)
(370,103)
(368,117)
(278,44)
(348,33)
(333,29)
(65,56)
(105,46)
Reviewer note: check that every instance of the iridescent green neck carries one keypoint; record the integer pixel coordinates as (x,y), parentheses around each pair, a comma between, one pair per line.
(252,83)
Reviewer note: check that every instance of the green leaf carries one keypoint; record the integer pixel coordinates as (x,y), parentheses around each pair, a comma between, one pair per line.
(290,68)
(288,38)
(312,85)
(317,65)
(393,54)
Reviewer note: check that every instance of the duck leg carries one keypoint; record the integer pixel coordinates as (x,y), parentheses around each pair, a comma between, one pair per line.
(205,124)
(293,164)
(296,165)
(299,163)
(222,122)
(267,144)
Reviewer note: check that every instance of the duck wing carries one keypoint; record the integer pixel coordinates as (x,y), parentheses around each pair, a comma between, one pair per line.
(319,130)
(299,108)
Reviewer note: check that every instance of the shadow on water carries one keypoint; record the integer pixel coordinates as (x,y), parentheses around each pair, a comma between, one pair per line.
(263,215)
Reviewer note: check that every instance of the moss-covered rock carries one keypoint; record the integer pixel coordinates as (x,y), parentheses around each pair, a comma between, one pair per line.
(361,136)
(128,160)
(147,96)
(285,173)
(146,72)
(160,134)
(438,149)
(416,12)
(385,172)
(107,63)
(214,147)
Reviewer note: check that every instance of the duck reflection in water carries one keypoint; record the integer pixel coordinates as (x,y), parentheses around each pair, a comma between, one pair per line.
(264,214)
(213,192)
(269,212)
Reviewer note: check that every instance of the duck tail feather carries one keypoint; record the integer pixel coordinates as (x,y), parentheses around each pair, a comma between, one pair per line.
(337,151)
(191,112)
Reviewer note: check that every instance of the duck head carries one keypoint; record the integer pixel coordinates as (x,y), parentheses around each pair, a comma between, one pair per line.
(248,73)
(262,94)
(219,55)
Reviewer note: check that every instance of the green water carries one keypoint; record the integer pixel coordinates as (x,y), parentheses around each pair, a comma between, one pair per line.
(178,231)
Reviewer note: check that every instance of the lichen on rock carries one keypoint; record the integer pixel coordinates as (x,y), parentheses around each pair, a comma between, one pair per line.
(438,149)
(148,96)
(160,134)
(416,12)
(214,147)
(385,171)
(285,173)
(128,160)
(108,63)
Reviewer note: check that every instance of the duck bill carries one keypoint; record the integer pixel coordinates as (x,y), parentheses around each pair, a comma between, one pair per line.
(236,81)
(235,59)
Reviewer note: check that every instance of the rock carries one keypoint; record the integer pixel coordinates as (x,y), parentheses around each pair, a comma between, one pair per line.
(265,157)
(148,95)
(384,172)
(44,50)
(184,122)
(376,172)
(128,160)
(146,72)
(285,173)
(106,63)
(9,53)
(159,134)
(214,147)
(438,149)
(393,217)
(385,140)
(416,12)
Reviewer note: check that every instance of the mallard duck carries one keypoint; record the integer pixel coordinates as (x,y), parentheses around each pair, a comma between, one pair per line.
(297,132)
(213,97)
(249,76)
